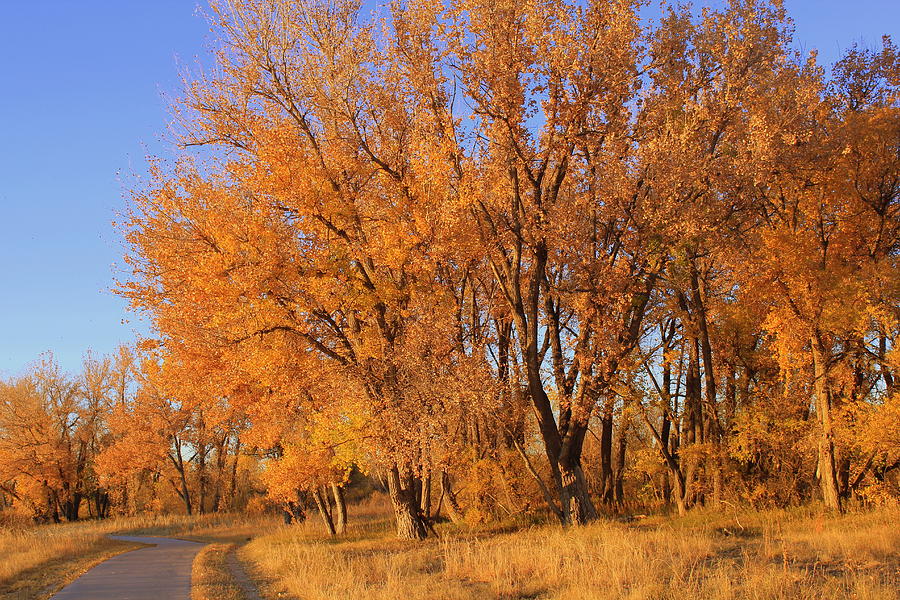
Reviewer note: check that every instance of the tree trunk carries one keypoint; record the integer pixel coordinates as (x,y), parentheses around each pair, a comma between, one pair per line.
(676,473)
(577,505)
(340,508)
(101,503)
(883,365)
(203,478)
(711,425)
(324,512)
(178,462)
(606,473)
(426,496)
(410,524)
(620,462)
(578,508)
(221,468)
(185,495)
(453,509)
(667,483)
(53,506)
(232,490)
(827,468)
(693,425)
(681,491)
(71,507)
(295,510)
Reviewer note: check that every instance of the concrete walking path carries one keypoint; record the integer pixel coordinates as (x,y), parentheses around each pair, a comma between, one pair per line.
(161,572)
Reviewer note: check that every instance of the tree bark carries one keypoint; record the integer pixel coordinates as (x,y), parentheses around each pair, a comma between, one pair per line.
(577,505)
(410,524)
(453,509)
(827,468)
(620,462)
(232,490)
(664,442)
(693,424)
(203,479)
(426,496)
(606,473)
(578,509)
(295,510)
(340,508)
(324,511)
(673,463)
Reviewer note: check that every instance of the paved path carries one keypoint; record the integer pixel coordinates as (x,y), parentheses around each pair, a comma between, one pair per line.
(162,572)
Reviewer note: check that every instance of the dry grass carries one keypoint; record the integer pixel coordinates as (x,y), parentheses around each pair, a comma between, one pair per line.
(764,555)
(210,576)
(211,528)
(799,554)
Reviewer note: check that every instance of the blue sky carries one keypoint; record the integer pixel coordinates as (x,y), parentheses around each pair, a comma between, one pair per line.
(81,106)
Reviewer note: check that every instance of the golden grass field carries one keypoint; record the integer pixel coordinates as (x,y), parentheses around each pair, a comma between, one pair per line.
(796,554)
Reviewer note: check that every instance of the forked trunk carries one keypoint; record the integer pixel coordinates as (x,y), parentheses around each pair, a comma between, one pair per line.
(340,508)
(324,511)
(101,504)
(410,524)
(577,506)
(185,492)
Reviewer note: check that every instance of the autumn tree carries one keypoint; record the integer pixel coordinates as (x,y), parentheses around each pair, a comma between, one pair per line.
(830,235)
(53,426)
(160,431)
(403,231)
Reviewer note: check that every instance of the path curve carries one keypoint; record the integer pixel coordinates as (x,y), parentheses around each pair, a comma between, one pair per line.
(160,572)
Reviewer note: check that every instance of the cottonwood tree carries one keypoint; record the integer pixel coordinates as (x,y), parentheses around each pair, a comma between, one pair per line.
(53,425)
(830,232)
(459,209)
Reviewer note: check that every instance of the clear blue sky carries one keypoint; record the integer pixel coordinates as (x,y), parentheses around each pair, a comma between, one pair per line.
(81,105)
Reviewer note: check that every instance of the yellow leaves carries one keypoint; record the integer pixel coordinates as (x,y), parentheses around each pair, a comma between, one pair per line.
(148,345)
(301,466)
(51,426)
